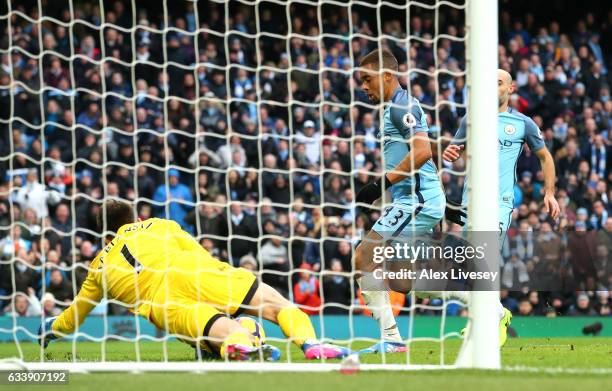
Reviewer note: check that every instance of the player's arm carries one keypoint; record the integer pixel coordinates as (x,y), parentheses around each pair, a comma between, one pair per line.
(455,212)
(457,146)
(73,316)
(410,121)
(533,138)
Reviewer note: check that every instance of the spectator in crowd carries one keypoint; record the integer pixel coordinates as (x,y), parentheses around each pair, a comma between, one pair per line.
(179,199)
(13,242)
(603,306)
(536,304)
(248,262)
(211,223)
(49,307)
(24,305)
(306,291)
(582,307)
(274,257)
(311,139)
(582,247)
(63,224)
(603,266)
(60,287)
(36,196)
(508,301)
(242,225)
(22,271)
(525,307)
(336,290)
(514,274)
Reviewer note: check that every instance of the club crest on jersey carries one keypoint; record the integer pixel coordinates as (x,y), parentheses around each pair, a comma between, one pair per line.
(409,120)
(509,129)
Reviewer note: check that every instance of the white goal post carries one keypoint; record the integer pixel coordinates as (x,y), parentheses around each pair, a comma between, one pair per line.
(480,348)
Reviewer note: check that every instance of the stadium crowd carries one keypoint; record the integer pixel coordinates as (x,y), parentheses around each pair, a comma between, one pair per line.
(258,152)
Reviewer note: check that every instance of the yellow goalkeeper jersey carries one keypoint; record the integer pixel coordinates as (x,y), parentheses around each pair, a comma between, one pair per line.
(129,269)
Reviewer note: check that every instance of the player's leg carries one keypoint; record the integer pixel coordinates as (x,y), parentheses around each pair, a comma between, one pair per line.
(505,316)
(271,305)
(236,291)
(201,325)
(377,298)
(295,324)
(401,221)
(188,304)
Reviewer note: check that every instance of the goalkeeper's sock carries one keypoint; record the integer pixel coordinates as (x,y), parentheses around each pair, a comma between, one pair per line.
(296,325)
(379,304)
(236,338)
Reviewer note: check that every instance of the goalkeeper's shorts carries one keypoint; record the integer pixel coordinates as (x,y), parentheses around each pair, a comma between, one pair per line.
(407,219)
(197,291)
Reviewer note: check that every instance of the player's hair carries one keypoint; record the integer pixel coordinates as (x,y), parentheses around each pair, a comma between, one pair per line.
(117,213)
(388,59)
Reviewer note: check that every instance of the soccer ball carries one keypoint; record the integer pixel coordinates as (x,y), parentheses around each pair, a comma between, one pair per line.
(254,328)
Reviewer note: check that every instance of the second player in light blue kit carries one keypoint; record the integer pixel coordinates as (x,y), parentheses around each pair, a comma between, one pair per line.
(513,131)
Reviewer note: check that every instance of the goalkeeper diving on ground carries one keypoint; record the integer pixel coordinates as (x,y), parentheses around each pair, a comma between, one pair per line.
(163,274)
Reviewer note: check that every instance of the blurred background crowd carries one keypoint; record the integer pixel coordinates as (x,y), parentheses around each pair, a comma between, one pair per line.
(257,143)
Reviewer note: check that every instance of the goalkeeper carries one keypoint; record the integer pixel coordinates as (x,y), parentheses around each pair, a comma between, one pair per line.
(161,273)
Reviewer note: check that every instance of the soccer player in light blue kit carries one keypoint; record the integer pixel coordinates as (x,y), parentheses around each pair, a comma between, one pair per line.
(410,175)
(513,130)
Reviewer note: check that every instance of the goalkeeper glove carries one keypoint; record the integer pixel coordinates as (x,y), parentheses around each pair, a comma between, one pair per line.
(45,332)
(455,214)
(373,190)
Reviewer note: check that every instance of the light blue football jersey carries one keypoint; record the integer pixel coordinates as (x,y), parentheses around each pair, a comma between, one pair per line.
(403,118)
(513,130)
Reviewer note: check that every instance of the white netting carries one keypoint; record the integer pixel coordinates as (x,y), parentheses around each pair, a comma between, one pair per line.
(122,99)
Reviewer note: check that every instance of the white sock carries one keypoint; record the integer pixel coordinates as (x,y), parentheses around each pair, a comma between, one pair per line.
(462,296)
(379,304)
(500,309)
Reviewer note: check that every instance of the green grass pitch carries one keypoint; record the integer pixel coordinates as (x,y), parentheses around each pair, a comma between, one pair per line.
(572,358)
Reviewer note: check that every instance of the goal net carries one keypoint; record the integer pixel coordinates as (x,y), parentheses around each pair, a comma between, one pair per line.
(244,122)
